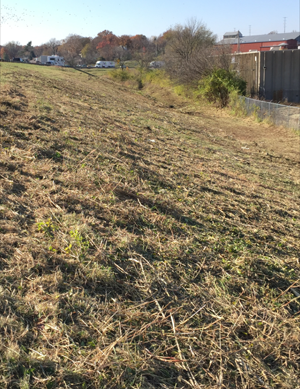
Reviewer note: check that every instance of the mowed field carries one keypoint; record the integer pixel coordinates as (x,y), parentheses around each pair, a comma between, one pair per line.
(145,241)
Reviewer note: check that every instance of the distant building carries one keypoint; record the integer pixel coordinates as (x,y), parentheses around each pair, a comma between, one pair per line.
(266,42)
(232,35)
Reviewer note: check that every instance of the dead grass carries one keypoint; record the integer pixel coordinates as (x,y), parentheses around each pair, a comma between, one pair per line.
(142,246)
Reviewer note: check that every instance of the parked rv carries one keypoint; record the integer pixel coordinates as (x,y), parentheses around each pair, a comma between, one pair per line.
(50,60)
(105,64)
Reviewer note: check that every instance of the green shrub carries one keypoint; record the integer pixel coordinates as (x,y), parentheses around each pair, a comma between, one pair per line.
(179,90)
(135,77)
(217,86)
(157,76)
(120,75)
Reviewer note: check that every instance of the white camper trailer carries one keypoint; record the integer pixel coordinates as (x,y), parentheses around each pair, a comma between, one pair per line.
(105,64)
(50,60)
(157,64)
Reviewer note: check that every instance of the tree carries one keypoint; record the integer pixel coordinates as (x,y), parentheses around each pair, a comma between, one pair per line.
(189,51)
(189,39)
(39,50)
(123,50)
(53,45)
(159,43)
(142,50)
(89,53)
(125,41)
(122,55)
(107,44)
(139,43)
(100,36)
(104,33)
(72,47)
(29,50)
(13,49)
(3,54)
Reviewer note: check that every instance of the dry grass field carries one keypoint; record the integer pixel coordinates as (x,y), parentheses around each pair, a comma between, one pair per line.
(146,241)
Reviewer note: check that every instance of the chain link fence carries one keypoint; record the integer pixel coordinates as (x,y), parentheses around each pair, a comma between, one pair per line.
(278,114)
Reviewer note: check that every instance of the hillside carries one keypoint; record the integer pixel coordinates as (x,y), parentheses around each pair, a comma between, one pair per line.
(145,241)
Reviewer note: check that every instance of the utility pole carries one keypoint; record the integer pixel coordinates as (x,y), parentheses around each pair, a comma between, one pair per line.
(284,23)
(250,28)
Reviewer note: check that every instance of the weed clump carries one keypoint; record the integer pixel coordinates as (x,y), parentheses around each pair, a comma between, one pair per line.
(237,104)
(120,75)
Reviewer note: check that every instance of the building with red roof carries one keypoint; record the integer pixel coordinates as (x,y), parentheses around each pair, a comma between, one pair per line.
(266,42)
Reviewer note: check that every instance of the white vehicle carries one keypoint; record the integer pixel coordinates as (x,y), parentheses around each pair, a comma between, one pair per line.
(50,60)
(105,64)
(55,60)
(157,64)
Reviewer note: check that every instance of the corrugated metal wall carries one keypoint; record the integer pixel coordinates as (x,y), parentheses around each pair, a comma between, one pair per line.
(280,75)
(275,75)
(247,64)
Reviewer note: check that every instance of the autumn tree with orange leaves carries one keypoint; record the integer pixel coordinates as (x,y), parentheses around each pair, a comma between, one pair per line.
(142,49)
(106,46)
(110,47)
(3,54)
(125,41)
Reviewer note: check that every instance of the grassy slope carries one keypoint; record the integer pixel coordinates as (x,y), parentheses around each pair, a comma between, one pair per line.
(142,246)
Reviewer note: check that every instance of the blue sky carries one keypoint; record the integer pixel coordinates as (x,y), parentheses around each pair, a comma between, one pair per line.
(39,21)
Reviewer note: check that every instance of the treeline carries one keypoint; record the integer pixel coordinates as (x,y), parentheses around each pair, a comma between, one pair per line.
(187,45)
(77,49)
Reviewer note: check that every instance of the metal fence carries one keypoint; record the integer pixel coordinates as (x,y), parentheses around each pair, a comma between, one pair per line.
(279,114)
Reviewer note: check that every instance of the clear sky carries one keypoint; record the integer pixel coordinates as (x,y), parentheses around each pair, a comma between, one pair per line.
(39,21)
